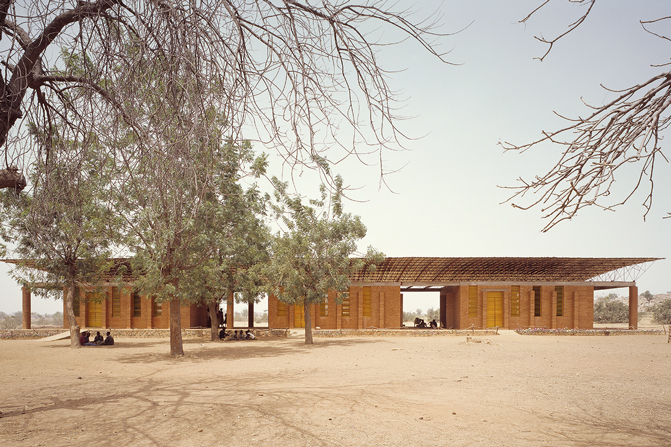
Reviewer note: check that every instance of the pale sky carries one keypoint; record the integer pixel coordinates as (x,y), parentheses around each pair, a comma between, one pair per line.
(446,200)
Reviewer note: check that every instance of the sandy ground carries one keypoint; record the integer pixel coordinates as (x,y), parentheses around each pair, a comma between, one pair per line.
(505,390)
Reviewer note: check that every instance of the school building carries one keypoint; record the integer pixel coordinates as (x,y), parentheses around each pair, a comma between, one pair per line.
(506,292)
(509,293)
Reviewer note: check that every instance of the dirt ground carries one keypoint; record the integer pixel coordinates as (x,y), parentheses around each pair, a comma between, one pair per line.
(505,390)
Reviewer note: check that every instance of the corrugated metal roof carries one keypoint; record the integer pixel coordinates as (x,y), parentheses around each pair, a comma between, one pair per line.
(446,270)
(451,270)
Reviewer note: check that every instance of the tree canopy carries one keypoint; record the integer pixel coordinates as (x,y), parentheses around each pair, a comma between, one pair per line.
(62,225)
(311,256)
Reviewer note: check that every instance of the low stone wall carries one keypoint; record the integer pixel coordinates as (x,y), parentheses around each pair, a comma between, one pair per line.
(191,333)
(399,332)
(29,334)
(589,332)
(187,333)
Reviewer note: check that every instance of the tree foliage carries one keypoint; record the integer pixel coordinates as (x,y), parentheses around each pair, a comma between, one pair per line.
(647,295)
(61,227)
(607,310)
(662,312)
(311,256)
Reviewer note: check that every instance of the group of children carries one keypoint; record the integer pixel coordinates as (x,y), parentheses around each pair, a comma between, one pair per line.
(238,335)
(97,341)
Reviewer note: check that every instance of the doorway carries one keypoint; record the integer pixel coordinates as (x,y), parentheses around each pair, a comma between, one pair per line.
(299,315)
(94,312)
(494,309)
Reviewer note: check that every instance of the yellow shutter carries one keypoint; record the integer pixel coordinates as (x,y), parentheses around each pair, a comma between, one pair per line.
(472,301)
(366,302)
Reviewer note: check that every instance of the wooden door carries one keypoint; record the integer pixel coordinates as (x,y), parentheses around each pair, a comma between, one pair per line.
(299,315)
(494,309)
(94,312)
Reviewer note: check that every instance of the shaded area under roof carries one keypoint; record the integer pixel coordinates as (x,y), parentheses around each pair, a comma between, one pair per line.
(451,270)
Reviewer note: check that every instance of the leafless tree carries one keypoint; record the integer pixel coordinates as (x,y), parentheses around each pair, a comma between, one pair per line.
(290,71)
(625,131)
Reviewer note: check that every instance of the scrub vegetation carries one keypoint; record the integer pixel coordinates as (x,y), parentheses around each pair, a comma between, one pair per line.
(610,310)
(662,312)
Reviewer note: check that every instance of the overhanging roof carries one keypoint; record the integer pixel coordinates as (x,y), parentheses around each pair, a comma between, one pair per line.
(456,270)
(427,272)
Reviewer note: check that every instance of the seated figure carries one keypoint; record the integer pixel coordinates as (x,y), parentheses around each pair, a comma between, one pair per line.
(109,340)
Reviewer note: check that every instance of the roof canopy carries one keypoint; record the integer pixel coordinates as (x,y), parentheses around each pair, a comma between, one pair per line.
(454,270)
(436,271)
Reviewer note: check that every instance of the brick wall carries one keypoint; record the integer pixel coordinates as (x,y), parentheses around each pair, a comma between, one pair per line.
(578,307)
(386,311)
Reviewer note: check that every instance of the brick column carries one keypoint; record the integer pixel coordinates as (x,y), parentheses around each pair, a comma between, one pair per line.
(532,308)
(553,324)
(359,310)
(506,309)
(443,308)
(381,322)
(576,317)
(338,316)
(25,323)
(127,307)
(482,296)
(230,311)
(633,307)
(108,300)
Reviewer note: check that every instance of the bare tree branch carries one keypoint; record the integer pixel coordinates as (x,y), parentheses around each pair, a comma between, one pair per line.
(571,27)
(296,76)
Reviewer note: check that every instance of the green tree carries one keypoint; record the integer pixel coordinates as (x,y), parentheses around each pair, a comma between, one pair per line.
(61,227)
(184,209)
(647,295)
(432,314)
(12,321)
(662,312)
(608,311)
(312,255)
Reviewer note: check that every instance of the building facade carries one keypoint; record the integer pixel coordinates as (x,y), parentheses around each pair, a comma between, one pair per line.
(479,293)
(122,308)
(507,293)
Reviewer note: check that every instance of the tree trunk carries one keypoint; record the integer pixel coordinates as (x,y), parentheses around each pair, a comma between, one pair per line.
(72,320)
(12,178)
(308,324)
(250,315)
(214,320)
(176,348)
